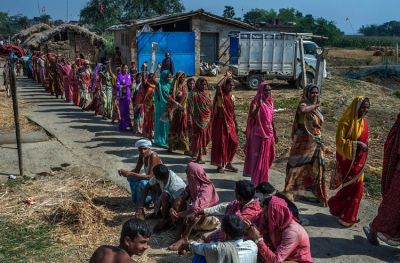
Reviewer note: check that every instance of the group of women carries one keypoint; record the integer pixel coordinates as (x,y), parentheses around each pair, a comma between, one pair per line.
(179,114)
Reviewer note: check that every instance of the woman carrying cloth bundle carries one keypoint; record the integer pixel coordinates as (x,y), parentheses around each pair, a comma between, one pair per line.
(351,155)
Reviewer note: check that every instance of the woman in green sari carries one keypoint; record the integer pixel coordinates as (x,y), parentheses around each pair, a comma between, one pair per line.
(161,121)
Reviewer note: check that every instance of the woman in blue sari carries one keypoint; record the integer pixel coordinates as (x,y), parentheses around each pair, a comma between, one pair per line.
(161,121)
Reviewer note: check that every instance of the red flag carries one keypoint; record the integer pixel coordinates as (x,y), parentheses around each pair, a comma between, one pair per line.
(101,8)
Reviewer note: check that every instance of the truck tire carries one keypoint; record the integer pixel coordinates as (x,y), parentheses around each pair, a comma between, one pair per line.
(253,81)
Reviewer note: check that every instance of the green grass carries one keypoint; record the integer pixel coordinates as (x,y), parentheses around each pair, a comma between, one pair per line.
(372,181)
(365,41)
(27,242)
(286,103)
(20,180)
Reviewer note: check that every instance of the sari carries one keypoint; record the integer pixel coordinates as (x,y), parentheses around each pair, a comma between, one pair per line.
(305,168)
(200,189)
(123,88)
(199,106)
(95,90)
(350,163)
(177,107)
(115,114)
(289,242)
(75,86)
(147,94)
(260,140)
(138,110)
(387,223)
(107,89)
(224,137)
(65,69)
(161,124)
(84,83)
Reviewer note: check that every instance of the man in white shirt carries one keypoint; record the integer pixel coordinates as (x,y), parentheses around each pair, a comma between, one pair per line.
(232,250)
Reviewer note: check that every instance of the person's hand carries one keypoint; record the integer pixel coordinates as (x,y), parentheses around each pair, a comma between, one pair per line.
(316,105)
(191,219)
(159,65)
(184,248)
(228,73)
(251,230)
(173,214)
(123,173)
(362,146)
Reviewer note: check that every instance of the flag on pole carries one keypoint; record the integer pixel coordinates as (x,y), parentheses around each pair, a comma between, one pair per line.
(101,8)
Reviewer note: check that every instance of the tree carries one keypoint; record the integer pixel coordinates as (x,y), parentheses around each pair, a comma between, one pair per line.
(99,15)
(229,12)
(257,15)
(391,28)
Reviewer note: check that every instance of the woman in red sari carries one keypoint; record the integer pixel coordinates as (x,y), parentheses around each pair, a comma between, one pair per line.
(74,84)
(386,225)
(177,108)
(351,155)
(224,128)
(147,93)
(199,103)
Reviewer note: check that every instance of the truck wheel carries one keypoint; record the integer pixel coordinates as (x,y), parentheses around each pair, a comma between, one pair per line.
(254,80)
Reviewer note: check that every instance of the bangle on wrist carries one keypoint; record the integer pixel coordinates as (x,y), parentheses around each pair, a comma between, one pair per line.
(258,240)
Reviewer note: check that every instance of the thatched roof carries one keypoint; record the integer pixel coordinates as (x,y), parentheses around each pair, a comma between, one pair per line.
(26,33)
(42,37)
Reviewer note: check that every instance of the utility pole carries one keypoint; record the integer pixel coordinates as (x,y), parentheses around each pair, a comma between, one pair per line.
(67,11)
(16,114)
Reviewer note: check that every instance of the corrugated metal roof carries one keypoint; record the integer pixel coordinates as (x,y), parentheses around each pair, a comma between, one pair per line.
(159,20)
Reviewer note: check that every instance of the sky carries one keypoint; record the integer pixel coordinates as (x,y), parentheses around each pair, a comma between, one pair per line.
(358,12)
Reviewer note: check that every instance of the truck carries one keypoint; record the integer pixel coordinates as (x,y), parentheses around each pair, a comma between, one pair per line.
(257,56)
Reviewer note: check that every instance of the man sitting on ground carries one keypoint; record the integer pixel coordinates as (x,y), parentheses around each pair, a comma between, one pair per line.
(170,187)
(233,249)
(246,206)
(148,159)
(134,240)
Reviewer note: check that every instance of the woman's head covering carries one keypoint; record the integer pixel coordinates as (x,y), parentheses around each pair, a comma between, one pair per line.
(307,91)
(198,83)
(279,218)
(201,190)
(260,91)
(143,143)
(350,127)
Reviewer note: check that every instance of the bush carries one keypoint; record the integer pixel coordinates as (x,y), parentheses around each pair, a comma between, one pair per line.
(364,41)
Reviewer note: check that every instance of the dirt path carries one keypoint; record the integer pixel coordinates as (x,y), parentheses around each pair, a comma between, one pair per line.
(83,140)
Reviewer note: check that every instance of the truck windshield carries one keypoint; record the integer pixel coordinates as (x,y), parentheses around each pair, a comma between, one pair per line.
(310,49)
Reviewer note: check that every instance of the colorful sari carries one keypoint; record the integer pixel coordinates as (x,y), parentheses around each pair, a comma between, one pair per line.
(224,137)
(199,106)
(177,107)
(107,90)
(138,110)
(75,86)
(147,95)
(350,163)
(84,83)
(123,88)
(305,168)
(65,69)
(387,223)
(161,124)
(95,90)
(260,140)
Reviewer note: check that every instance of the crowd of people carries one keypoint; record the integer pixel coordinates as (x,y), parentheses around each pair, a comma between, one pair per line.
(179,114)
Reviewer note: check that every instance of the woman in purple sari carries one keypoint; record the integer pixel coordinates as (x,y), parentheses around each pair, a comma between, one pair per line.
(123,88)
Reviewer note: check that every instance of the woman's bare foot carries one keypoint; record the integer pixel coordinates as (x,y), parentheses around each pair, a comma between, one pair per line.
(175,246)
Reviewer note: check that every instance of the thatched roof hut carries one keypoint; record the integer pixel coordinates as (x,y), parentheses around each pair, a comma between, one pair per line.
(59,34)
(68,40)
(26,33)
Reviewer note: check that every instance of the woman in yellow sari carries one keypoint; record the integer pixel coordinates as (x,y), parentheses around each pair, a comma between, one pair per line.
(351,155)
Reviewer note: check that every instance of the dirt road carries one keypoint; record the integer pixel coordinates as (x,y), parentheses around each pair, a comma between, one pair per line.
(80,138)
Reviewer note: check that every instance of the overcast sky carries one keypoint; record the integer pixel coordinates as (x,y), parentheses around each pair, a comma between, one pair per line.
(359,12)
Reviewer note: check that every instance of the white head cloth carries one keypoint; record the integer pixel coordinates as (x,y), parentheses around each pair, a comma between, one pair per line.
(143,143)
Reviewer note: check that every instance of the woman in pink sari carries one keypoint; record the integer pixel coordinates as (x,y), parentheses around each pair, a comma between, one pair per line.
(278,234)
(260,136)
(199,194)
(65,69)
